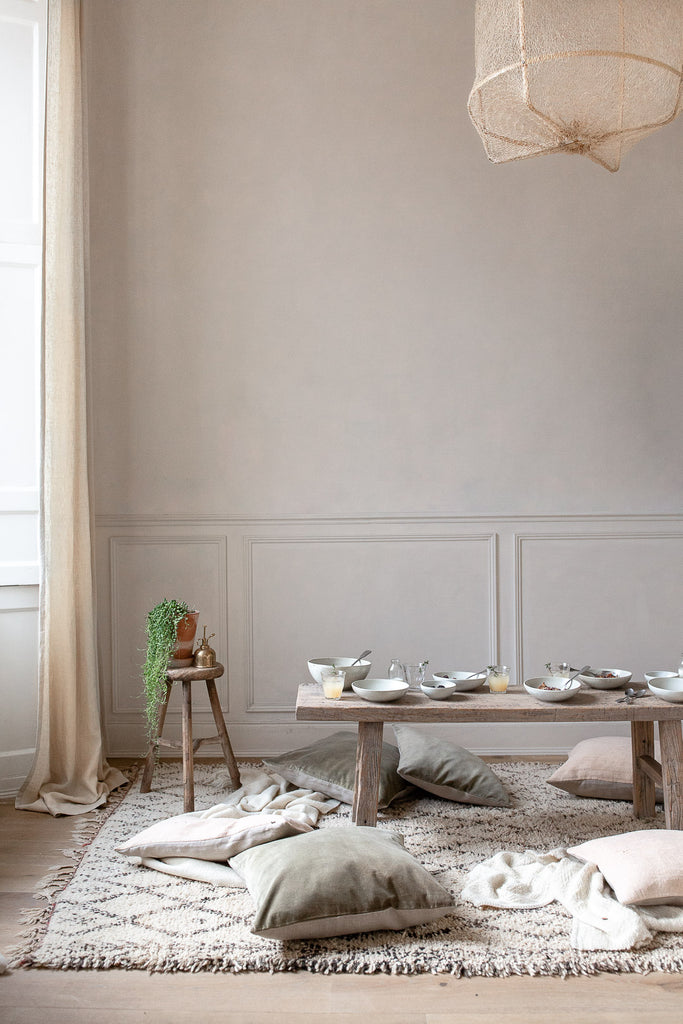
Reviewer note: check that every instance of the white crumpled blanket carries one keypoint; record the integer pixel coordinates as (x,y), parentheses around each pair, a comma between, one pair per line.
(524,880)
(260,791)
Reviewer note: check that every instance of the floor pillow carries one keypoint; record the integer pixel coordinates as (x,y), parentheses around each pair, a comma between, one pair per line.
(338,881)
(213,838)
(447,770)
(643,868)
(600,768)
(329,767)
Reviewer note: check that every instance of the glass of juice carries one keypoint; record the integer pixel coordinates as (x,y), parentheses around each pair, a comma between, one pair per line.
(333,682)
(498,678)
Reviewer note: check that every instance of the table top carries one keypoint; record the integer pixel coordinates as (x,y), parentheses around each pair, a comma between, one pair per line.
(482,706)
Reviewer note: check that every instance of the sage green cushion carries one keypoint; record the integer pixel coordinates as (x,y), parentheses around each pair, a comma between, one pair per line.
(338,881)
(447,770)
(329,767)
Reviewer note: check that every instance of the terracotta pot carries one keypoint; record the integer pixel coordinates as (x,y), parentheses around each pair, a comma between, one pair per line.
(185,633)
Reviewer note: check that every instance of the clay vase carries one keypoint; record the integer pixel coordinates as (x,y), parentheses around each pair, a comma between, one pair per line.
(185,634)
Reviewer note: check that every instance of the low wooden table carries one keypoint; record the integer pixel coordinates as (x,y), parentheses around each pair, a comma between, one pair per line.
(514,706)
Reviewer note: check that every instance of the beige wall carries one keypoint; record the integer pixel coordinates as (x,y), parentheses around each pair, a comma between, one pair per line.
(352,385)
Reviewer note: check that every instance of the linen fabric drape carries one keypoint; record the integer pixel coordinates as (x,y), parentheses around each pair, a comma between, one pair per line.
(69,774)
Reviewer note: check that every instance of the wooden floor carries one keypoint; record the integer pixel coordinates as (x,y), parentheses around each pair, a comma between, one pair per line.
(32,843)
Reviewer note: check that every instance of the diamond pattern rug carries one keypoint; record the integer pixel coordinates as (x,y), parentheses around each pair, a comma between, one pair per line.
(104,911)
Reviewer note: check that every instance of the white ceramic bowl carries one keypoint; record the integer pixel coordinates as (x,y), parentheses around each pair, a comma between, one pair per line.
(439,691)
(669,688)
(660,674)
(461,679)
(532,686)
(618,678)
(380,690)
(359,671)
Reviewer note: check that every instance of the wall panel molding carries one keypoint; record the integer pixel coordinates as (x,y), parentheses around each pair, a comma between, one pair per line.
(250,544)
(120,706)
(522,540)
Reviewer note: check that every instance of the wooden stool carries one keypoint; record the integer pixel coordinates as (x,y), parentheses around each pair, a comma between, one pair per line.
(187,676)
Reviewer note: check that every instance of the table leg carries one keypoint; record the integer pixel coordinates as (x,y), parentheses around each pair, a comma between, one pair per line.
(368,758)
(146,783)
(226,745)
(671,744)
(188,761)
(642,745)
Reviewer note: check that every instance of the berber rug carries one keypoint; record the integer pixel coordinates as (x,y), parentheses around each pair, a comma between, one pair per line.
(104,911)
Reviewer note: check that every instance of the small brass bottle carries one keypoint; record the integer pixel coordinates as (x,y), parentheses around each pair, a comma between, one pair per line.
(205,656)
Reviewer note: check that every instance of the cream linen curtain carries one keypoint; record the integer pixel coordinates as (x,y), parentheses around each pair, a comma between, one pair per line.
(69,773)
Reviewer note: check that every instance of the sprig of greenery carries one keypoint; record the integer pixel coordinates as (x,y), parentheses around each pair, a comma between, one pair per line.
(162,623)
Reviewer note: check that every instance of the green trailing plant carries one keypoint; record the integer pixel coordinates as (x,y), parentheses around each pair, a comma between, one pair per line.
(162,624)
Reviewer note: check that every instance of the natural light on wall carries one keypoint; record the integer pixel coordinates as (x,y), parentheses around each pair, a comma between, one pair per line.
(22,88)
(590,77)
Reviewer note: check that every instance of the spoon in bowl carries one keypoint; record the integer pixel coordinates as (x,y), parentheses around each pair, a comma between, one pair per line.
(360,658)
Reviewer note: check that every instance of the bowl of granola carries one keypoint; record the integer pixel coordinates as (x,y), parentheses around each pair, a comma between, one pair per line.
(552,688)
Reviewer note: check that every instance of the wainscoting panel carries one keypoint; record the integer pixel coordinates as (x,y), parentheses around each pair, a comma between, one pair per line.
(607,599)
(144,571)
(415,598)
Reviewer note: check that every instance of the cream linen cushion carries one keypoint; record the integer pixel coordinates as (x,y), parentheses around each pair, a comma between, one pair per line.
(329,766)
(338,881)
(212,838)
(599,768)
(643,868)
(447,770)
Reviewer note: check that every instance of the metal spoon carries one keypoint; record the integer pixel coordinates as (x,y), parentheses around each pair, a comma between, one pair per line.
(360,658)
(569,679)
(630,695)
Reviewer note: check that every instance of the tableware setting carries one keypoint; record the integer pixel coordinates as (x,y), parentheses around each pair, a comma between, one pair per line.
(668,687)
(498,678)
(605,678)
(355,668)
(552,688)
(439,690)
(654,675)
(380,690)
(464,680)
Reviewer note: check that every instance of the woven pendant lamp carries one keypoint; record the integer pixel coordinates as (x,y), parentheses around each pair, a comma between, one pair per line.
(576,76)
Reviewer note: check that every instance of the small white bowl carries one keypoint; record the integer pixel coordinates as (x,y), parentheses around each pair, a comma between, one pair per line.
(439,691)
(619,677)
(669,688)
(532,686)
(380,690)
(462,680)
(650,676)
(359,671)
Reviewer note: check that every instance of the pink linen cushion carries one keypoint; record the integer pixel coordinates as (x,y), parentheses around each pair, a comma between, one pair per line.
(600,768)
(643,868)
(210,838)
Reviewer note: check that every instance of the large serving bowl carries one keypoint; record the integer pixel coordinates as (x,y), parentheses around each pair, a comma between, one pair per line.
(380,690)
(533,687)
(653,676)
(463,680)
(440,690)
(359,671)
(617,677)
(669,688)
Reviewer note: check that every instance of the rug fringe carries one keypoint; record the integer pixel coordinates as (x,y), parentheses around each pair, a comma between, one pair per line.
(34,922)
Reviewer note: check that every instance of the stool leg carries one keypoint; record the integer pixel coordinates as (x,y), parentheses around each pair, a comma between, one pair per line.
(188,763)
(146,784)
(223,734)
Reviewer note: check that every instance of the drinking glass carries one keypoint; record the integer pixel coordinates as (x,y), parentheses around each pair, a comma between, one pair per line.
(498,678)
(415,674)
(333,682)
(558,668)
